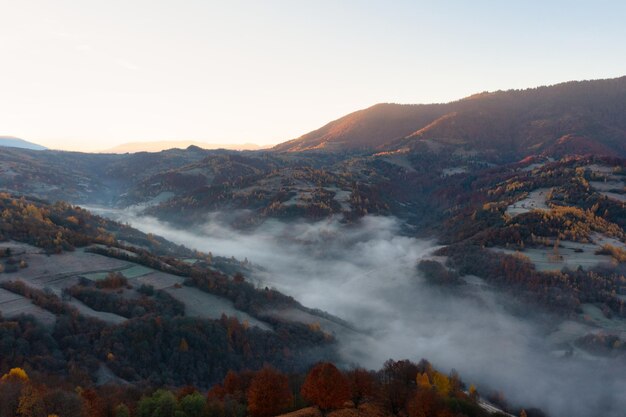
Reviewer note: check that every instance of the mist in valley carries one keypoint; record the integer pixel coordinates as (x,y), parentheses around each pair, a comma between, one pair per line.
(366,274)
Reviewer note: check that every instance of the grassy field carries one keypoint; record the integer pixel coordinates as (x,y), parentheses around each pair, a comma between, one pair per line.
(535,200)
(203,305)
(12,305)
(570,252)
(593,314)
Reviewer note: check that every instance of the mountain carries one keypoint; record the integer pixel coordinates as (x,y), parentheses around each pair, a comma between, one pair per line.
(158,146)
(584,117)
(366,129)
(9,141)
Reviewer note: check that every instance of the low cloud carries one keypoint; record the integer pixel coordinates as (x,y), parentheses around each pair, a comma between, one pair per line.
(366,274)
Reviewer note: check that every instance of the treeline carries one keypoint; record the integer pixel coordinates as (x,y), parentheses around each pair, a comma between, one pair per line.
(563,291)
(158,302)
(400,388)
(577,213)
(62,227)
(154,347)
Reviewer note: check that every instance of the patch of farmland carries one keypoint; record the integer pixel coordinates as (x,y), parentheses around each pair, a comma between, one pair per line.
(600,169)
(342,197)
(400,160)
(118,250)
(13,305)
(67,264)
(593,314)
(19,248)
(601,240)
(569,331)
(615,196)
(100,315)
(607,185)
(535,200)
(448,172)
(302,316)
(208,306)
(159,280)
(132,272)
(533,166)
(137,271)
(569,255)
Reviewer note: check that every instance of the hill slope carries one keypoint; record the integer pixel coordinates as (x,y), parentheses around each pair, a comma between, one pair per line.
(574,117)
(9,141)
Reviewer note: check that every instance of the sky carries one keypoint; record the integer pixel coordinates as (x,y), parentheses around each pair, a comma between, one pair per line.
(88,75)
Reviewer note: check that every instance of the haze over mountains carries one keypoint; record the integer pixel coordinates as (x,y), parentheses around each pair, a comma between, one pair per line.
(159,146)
(577,117)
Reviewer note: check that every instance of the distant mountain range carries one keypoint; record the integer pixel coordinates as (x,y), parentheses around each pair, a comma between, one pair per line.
(586,117)
(9,141)
(158,146)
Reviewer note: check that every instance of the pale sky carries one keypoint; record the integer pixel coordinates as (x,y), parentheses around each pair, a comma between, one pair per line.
(87,75)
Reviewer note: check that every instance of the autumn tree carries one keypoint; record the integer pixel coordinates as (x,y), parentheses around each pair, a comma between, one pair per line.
(442,383)
(269,393)
(31,403)
(399,380)
(326,387)
(423,382)
(362,385)
(423,404)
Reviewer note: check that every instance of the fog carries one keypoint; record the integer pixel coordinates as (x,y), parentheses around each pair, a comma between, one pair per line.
(366,274)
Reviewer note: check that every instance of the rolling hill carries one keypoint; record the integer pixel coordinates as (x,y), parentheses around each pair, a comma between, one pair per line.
(584,117)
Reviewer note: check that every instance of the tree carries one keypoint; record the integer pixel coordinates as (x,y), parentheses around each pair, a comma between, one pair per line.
(193,404)
(269,393)
(326,387)
(423,382)
(10,390)
(362,385)
(63,403)
(160,404)
(121,410)
(441,383)
(16,373)
(398,378)
(473,392)
(31,404)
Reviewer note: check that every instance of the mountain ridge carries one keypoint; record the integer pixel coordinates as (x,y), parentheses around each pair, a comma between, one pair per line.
(512,123)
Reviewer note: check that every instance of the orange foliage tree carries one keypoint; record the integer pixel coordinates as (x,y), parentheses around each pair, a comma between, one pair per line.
(326,387)
(269,393)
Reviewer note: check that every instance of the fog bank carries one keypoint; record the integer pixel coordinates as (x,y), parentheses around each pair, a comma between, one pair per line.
(366,274)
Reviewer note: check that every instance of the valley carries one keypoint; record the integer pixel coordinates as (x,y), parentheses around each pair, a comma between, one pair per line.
(314,250)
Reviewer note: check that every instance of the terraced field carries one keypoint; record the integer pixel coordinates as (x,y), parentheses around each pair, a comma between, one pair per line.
(56,272)
(12,305)
(204,305)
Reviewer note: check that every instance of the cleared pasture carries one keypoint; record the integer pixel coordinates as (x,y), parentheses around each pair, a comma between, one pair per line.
(208,306)
(535,200)
(13,305)
(570,254)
